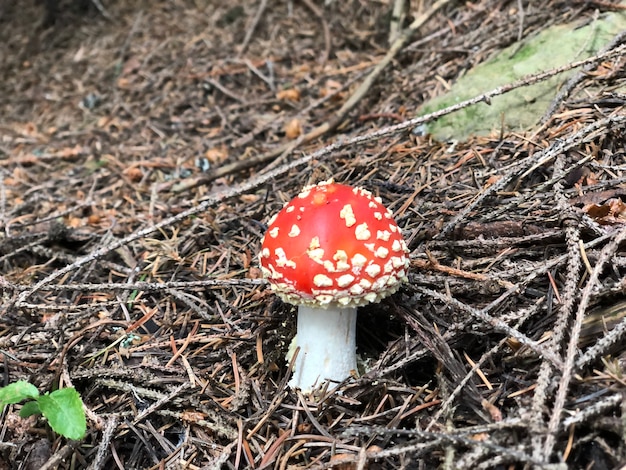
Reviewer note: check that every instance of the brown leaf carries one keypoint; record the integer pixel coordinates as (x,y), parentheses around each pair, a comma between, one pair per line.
(132,65)
(493,410)
(134,173)
(293,129)
(68,153)
(288,95)
(192,416)
(123,83)
(611,212)
(329,88)
(254,273)
(216,155)
(75,222)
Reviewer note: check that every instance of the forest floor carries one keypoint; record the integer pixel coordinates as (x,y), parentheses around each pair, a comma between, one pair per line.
(143,148)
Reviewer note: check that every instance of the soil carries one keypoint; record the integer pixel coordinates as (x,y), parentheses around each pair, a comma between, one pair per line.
(145,144)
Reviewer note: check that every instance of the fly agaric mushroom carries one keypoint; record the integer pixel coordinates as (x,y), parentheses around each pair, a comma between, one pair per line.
(330,250)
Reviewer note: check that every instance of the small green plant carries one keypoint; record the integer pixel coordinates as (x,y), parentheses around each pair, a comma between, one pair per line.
(62,408)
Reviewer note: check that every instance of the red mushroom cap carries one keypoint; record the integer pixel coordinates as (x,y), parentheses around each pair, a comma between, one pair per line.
(334,245)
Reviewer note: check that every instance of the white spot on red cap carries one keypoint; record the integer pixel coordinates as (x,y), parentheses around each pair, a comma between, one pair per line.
(324,299)
(380,283)
(361,232)
(294,232)
(356,289)
(381,252)
(388,267)
(315,252)
(345,301)
(273,273)
(384,235)
(281,260)
(316,255)
(371,297)
(279,253)
(347,214)
(341,257)
(373,270)
(358,260)
(345,280)
(398,246)
(321,280)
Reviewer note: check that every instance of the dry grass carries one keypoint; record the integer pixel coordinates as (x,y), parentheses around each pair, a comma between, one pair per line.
(141,157)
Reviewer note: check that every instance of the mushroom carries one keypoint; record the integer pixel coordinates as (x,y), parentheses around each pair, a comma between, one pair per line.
(330,250)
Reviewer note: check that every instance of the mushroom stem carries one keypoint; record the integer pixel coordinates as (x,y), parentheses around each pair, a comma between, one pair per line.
(327,342)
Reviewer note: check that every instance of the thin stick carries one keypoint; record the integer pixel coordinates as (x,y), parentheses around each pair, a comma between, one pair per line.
(252,28)
(572,348)
(565,91)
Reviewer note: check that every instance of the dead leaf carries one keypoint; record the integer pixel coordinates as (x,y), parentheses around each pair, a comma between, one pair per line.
(94,219)
(493,410)
(492,180)
(123,83)
(192,416)
(329,88)
(293,129)
(216,155)
(74,222)
(611,212)
(599,196)
(68,153)
(134,173)
(254,273)
(249,198)
(131,66)
(291,94)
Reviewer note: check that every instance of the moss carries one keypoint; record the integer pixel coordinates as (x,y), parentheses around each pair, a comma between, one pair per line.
(522,108)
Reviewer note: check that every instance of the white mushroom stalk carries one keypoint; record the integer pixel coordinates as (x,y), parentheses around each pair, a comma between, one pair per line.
(327,346)
(330,250)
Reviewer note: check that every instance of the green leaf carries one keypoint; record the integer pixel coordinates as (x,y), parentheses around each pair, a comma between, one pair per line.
(64,411)
(16,392)
(29,409)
